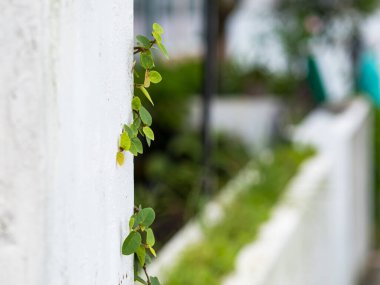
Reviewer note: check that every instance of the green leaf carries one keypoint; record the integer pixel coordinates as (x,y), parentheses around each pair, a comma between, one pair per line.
(145,116)
(136,267)
(125,141)
(146,60)
(134,131)
(139,279)
(133,150)
(131,222)
(148,141)
(152,251)
(150,240)
(120,158)
(140,252)
(163,50)
(129,131)
(131,243)
(136,145)
(154,280)
(157,37)
(155,77)
(137,122)
(144,41)
(157,28)
(146,217)
(134,128)
(146,94)
(148,259)
(136,103)
(135,73)
(148,133)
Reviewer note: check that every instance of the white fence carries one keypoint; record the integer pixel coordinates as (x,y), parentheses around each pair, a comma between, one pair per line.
(320,233)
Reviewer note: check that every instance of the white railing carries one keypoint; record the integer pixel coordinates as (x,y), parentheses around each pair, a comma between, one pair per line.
(320,232)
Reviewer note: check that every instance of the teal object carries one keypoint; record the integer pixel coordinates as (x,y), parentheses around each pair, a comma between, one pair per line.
(368,81)
(315,81)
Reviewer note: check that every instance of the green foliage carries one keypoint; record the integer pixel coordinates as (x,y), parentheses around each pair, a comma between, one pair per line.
(145,116)
(148,133)
(136,103)
(154,281)
(171,175)
(141,238)
(214,257)
(140,242)
(125,141)
(142,120)
(155,77)
(131,243)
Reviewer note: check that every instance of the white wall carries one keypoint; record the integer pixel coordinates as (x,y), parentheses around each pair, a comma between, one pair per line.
(255,120)
(65,91)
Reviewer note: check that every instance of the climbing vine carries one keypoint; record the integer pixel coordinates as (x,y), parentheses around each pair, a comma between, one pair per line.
(142,120)
(141,240)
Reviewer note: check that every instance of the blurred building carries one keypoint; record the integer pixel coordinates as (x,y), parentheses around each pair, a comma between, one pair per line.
(182,21)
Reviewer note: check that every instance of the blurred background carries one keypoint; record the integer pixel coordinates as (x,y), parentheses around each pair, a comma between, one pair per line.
(253,91)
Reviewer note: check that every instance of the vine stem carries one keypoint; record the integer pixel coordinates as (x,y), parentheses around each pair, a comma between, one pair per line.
(147,276)
(138,49)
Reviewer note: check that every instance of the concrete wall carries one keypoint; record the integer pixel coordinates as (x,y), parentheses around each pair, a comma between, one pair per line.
(65,91)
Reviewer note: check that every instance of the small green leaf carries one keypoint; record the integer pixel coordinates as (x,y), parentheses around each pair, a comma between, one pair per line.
(139,279)
(149,133)
(120,158)
(136,103)
(125,141)
(144,41)
(131,222)
(157,28)
(146,94)
(140,252)
(148,141)
(155,77)
(146,217)
(152,251)
(137,122)
(145,116)
(134,131)
(136,267)
(129,131)
(137,145)
(157,37)
(150,240)
(135,73)
(131,243)
(154,280)
(148,259)
(163,50)
(146,60)
(133,150)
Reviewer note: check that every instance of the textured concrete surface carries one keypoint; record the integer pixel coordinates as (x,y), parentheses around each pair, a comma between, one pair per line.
(65,91)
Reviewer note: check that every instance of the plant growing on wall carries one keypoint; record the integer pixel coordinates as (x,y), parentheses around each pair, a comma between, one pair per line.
(141,240)
(142,120)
